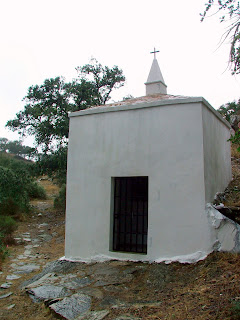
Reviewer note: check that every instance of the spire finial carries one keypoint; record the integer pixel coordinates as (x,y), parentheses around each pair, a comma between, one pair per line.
(154,51)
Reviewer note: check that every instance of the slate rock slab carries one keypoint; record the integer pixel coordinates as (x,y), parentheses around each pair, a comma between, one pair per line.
(127,317)
(6,285)
(6,295)
(78,283)
(41,281)
(108,301)
(113,280)
(27,268)
(48,292)
(94,315)
(93,292)
(12,277)
(104,270)
(72,307)
(58,266)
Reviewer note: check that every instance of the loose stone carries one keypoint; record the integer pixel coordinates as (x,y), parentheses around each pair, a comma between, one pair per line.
(6,285)
(72,307)
(94,315)
(48,292)
(126,317)
(11,306)
(12,277)
(28,268)
(6,295)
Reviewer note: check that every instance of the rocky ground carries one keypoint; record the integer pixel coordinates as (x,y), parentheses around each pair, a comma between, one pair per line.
(35,285)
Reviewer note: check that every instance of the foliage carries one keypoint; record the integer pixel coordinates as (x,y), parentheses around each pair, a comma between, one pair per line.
(16,185)
(229,10)
(24,168)
(36,191)
(17,148)
(102,79)
(13,194)
(3,249)
(53,165)
(128,97)
(7,225)
(3,144)
(60,200)
(229,109)
(235,139)
(47,106)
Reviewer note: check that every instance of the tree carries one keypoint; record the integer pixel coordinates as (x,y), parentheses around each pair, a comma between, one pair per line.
(47,106)
(229,109)
(17,148)
(103,81)
(229,10)
(3,144)
(231,112)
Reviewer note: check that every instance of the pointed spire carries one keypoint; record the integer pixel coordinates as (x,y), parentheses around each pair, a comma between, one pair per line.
(155,82)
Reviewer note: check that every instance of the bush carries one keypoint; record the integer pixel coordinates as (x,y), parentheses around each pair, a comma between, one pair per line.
(17,185)
(7,225)
(13,194)
(36,191)
(60,200)
(3,248)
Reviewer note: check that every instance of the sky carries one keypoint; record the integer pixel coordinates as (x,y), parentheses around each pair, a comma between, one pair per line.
(50,38)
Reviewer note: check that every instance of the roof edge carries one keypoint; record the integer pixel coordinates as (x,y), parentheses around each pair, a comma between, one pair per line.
(157,81)
(152,104)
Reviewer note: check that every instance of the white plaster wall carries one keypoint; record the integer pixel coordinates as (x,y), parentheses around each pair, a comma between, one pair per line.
(155,87)
(164,143)
(217,154)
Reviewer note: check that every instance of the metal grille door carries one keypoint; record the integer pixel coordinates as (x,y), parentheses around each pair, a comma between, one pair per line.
(130,223)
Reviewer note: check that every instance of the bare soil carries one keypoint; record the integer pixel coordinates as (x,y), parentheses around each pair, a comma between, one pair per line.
(209,289)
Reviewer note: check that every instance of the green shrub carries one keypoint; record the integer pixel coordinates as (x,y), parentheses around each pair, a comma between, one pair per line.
(7,225)
(13,194)
(60,200)
(17,185)
(36,191)
(3,249)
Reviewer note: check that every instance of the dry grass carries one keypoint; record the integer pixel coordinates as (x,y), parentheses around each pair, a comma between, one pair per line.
(51,188)
(234,152)
(232,193)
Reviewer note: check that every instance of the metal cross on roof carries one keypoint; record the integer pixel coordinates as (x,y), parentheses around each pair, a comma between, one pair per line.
(154,51)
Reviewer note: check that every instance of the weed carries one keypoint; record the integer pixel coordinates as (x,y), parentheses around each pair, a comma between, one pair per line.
(235,308)
(3,248)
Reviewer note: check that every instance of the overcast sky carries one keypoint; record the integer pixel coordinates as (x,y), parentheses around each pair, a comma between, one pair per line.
(49,38)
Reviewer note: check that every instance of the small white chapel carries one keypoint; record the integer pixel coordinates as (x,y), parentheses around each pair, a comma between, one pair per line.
(142,174)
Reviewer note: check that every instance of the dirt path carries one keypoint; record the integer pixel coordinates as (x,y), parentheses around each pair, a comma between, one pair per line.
(39,239)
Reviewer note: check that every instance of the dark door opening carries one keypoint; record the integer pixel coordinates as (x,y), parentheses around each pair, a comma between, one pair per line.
(130,223)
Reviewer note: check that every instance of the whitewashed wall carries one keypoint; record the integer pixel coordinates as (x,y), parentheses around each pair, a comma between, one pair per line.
(217,153)
(164,143)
